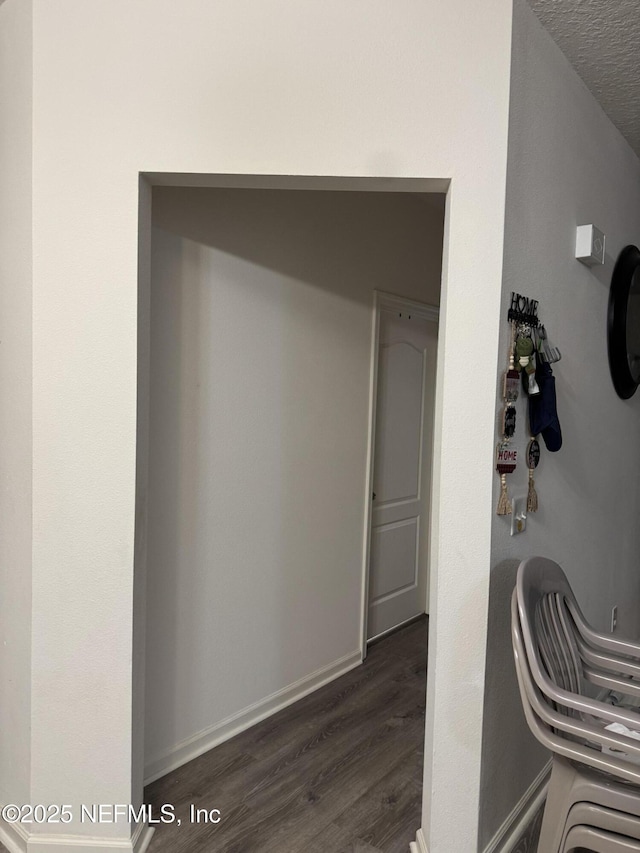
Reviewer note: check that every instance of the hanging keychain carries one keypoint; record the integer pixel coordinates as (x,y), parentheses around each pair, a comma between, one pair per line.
(510,391)
(506,460)
(526,352)
(506,456)
(533,459)
(512,376)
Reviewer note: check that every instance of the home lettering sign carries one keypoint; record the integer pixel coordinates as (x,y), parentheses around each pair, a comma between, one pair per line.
(506,461)
(522,309)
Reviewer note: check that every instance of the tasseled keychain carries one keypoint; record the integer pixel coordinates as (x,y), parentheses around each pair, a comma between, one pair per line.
(506,457)
(506,460)
(533,458)
(512,376)
(510,390)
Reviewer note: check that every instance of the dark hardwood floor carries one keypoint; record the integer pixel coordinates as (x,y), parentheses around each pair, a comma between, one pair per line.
(338,772)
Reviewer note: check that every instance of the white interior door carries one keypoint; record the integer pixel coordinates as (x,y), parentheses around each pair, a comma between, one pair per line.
(398,566)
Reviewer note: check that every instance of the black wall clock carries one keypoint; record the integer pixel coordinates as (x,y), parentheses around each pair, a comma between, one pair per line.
(623,327)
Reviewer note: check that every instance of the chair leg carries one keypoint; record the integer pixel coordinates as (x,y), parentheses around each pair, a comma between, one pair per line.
(557,805)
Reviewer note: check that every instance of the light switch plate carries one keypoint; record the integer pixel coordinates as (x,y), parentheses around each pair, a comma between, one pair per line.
(590,245)
(518,515)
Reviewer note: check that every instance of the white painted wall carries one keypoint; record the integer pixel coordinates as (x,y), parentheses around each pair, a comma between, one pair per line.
(261,322)
(15,394)
(568,165)
(379,89)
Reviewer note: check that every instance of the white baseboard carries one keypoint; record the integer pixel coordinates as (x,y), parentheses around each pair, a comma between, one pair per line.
(142,837)
(521,815)
(17,840)
(516,823)
(420,844)
(14,837)
(205,740)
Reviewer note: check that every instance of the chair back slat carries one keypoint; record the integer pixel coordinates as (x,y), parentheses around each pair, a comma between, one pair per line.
(546,640)
(574,663)
(552,637)
(553,643)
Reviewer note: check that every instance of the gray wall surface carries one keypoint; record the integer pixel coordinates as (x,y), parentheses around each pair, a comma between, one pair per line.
(567,166)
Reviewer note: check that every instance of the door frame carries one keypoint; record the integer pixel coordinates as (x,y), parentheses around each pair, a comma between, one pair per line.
(383,300)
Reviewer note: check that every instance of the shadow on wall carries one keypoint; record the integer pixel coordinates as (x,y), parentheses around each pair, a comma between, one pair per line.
(328,235)
(603,272)
(516,756)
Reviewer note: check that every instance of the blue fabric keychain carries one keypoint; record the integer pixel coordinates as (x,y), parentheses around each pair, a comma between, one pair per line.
(543,410)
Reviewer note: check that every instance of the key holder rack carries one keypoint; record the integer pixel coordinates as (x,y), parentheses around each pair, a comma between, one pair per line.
(523,310)
(530,356)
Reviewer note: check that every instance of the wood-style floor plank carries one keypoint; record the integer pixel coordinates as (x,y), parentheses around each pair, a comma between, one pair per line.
(383,817)
(338,840)
(338,772)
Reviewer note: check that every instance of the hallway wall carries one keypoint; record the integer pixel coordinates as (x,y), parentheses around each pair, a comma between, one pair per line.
(261,323)
(16,399)
(568,166)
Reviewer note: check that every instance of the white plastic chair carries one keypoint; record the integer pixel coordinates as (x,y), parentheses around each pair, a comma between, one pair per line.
(557,654)
(610,820)
(587,838)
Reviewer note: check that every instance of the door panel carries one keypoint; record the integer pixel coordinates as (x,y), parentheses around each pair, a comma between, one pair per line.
(394,558)
(400,390)
(401,470)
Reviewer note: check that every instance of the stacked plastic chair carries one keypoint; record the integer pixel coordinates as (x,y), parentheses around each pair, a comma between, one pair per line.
(572,680)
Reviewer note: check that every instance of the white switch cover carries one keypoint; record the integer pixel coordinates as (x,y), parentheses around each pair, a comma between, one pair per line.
(518,515)
(590,245)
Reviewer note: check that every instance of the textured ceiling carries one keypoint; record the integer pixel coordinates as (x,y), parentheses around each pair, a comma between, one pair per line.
(601,39)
